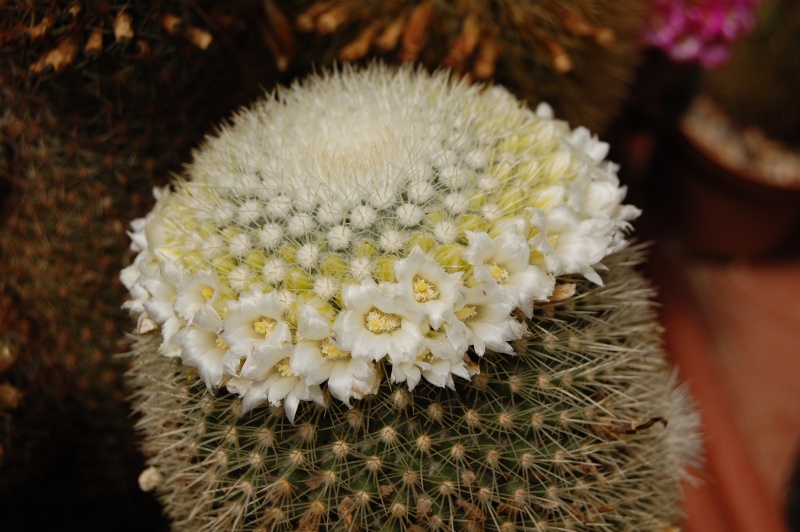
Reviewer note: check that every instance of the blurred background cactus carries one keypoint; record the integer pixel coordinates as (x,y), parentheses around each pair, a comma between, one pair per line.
(759,85)
(738,181)
(100,101)
(578,56)
(746,114)
(60,224)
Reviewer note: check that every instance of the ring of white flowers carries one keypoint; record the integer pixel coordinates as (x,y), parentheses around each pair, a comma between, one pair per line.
(273,298)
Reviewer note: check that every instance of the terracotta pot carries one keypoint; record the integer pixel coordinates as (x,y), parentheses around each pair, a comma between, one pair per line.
(717,210)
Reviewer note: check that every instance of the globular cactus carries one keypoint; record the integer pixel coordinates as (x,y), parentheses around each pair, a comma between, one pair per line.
(85,133)
(578,56)
(767,60)
(384,300)
(138,79)
(746,114)
(59,248)
(13,333)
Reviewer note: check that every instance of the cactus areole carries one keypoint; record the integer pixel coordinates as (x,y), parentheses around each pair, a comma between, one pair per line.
(401,302)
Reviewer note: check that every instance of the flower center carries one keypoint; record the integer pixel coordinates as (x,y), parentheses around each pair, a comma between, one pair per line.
(264,326)
(222,344)
(499,273)
(379,322)
(284,369)
(207,292)
(466,313)
(423,290)
(331,352)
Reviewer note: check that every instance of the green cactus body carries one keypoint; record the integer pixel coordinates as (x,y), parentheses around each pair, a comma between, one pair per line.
(443,353)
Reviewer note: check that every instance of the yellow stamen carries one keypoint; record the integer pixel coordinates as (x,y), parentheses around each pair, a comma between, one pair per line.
(379,322)
(423,290)
(264,326)
(207,292)
(284,369)
(498,273)
(331,352)
(466,313)
(222,344)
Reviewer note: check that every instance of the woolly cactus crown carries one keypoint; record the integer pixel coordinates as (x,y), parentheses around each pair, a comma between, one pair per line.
(373,223)
(422,259)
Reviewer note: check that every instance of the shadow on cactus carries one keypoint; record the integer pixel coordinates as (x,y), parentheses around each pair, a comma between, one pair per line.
(384,299)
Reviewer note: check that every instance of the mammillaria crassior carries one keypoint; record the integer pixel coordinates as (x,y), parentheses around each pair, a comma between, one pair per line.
(419,298)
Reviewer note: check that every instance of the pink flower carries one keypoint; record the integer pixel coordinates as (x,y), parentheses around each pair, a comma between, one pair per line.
(698,30)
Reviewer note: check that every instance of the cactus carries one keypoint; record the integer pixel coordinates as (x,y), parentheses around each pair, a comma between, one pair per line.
(559,438)
(577,56)
(84,136)
(72,417)
(385,290)
(13,334)
(759,85)
(132,81)
(745,116)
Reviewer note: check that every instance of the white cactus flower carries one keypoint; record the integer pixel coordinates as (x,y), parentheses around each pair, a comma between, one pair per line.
(204,350)
(505,261)
(377,323)
(409,369)
(425,286)
(276,388)
(159,306)
(570,244)
(486,312)
(446,353)
(199,300)
(256,324)
(318,358)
